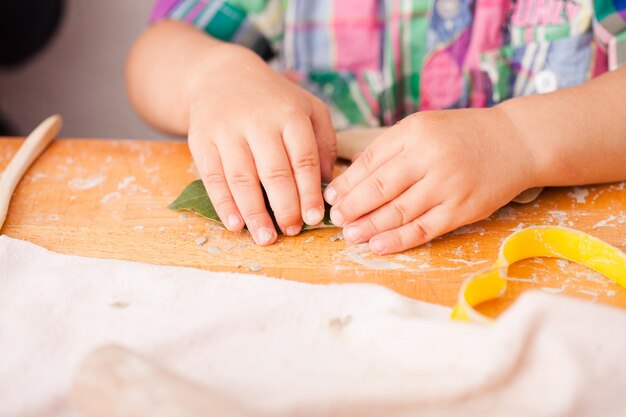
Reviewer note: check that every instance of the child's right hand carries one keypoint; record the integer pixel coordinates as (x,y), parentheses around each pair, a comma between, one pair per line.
(431,173)
(251,126)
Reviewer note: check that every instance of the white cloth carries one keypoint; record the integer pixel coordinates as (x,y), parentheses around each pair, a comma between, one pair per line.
(296,349)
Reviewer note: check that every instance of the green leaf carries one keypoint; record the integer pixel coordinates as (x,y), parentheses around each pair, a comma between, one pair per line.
(195,198)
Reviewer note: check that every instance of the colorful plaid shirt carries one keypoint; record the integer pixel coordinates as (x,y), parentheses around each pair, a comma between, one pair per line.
(375,61)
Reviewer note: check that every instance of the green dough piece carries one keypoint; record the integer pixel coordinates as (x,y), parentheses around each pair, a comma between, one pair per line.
(195,198)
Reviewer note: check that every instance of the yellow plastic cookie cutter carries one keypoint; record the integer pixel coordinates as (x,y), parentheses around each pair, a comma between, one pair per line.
(533,242)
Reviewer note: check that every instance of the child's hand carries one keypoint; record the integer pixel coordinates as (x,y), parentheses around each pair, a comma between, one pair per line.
(432,173)
(252,125)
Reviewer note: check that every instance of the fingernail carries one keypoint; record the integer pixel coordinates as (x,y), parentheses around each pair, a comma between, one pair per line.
(293,230)
(233,221)
(264,236)
(377,246)
(313,216)
(352,234)
(330,195)
(336,217)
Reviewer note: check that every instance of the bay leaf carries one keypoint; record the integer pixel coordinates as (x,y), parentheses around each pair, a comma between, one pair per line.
(194,198)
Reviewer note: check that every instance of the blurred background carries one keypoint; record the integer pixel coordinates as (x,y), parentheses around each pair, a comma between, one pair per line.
(78,73)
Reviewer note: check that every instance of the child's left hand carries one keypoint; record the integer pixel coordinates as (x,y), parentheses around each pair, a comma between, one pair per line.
(431,173)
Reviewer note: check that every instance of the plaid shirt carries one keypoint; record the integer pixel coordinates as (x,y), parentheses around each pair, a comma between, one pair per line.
(375,61)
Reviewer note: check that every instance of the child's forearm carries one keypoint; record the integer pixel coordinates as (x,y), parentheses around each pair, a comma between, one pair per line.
(164,65)
(577,135)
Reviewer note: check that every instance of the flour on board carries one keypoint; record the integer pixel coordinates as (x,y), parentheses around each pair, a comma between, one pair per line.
(86,183)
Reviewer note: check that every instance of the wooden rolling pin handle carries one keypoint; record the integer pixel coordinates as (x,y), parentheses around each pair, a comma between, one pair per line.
(113,382)
(32,147)
(353,141)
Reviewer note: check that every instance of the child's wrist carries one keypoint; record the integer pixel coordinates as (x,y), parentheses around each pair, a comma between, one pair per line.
(217,61)
(524,133)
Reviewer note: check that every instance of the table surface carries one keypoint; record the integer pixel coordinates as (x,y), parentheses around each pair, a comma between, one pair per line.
(108,199)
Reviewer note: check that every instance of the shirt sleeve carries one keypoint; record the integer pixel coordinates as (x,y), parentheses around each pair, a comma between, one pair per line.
(230,21)
(609,27)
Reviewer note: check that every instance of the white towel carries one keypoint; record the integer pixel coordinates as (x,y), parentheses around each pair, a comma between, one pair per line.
(287,348)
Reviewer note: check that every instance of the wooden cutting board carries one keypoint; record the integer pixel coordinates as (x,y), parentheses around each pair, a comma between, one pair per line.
(108,199)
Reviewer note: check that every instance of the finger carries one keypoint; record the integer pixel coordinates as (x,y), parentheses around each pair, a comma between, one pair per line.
(379,152)
(326,139)
(277,178)
(299,141)
(383,185)
(212,174)
(244,184)
(435,222)
(408,206)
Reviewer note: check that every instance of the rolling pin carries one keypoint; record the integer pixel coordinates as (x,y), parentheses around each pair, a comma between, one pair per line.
(353,141)
(32,147)
(114,382)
